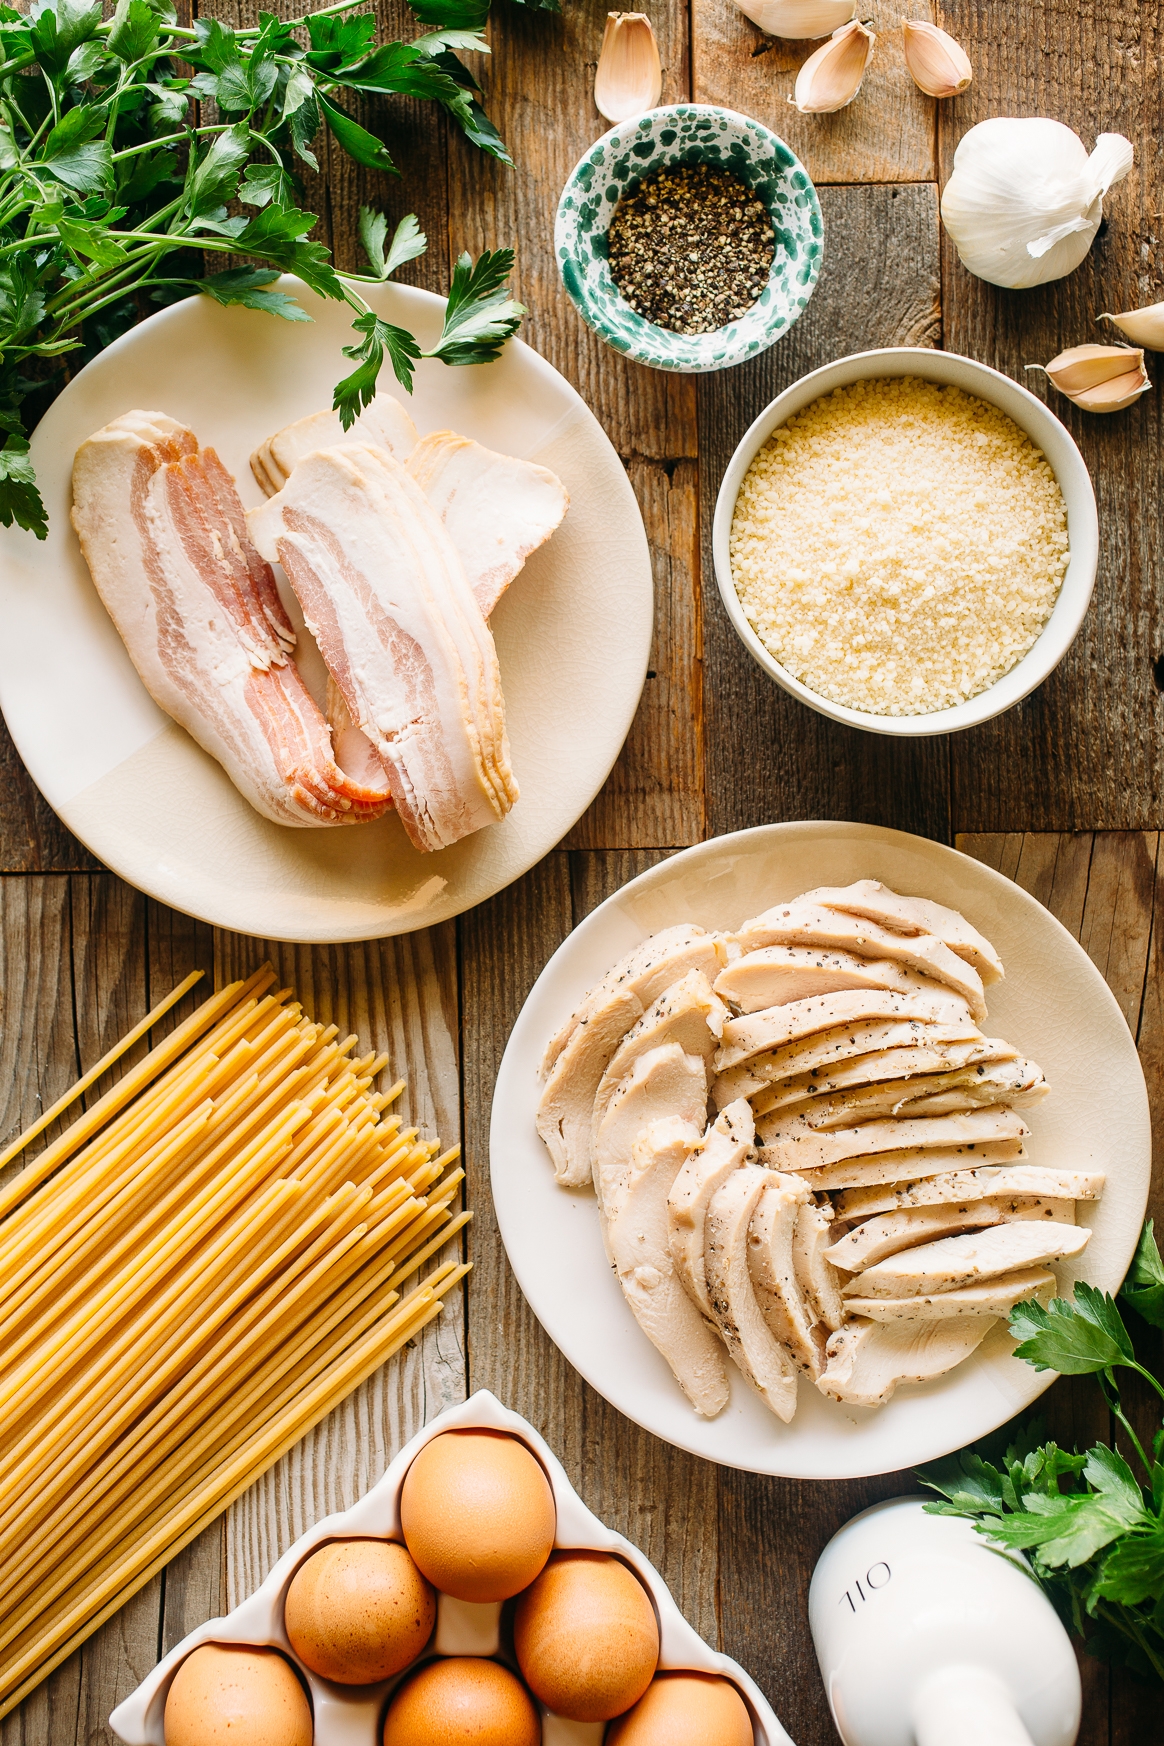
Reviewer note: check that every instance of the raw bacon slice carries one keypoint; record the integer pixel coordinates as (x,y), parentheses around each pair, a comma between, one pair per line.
(164,535)
(384,422)
(385,597)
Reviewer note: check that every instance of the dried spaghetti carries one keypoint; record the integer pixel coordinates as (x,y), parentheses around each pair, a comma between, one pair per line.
(196,1272)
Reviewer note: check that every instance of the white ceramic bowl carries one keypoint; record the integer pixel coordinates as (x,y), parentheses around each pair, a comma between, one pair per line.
(1044,430)
(352,1715)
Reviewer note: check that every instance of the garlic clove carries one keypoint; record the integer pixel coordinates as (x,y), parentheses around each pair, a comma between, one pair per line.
(1083,367)
(1114,394)
(831,77)
(1098,378)
(629,77)
(937,64)
(798,20)
(1144,327)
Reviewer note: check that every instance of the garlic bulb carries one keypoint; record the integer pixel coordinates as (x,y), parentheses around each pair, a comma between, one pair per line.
(629,78)
(831,78)
(1025,201)
(797,20)
(1098,378)
(938,64)
(1144,327)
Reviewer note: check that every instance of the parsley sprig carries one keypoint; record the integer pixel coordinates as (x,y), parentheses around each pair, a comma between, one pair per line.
(129,143)
(1092,1533)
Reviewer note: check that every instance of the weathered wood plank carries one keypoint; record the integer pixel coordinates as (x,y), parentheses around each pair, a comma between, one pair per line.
(657,1496)
(768,757)
(32,837)
(654,794)
(400,996)
(38,1055)
(885,135)
(1085,751)
(539,90)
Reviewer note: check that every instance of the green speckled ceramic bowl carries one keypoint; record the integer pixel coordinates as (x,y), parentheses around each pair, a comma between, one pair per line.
(688,133)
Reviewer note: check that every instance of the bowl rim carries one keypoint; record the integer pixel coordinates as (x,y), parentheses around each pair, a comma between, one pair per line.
(1049,435)
(684,365)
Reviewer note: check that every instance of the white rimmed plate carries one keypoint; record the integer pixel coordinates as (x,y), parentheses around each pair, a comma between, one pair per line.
(1053,1004)
(573,633)
(1045,431)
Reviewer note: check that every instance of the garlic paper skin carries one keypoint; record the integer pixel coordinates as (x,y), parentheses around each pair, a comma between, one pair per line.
(1144,327)
(831,78)
(938,65)
(629,77)
(1024,201)
(1098,378)
(798,20)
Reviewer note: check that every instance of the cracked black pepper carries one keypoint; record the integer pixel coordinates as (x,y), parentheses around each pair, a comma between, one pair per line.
(690,248)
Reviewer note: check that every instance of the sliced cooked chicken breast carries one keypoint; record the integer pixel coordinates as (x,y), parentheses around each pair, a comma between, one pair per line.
(993,1298)
(566,1109)
(819,1281)
(645,972)
(964,1185)
(805,923)
(385,597)
(496,510)
(969,1088)
(384,423)
(809,1149)
(890,1232)
(877,1067)
(828,1052)
(665,1082)
(953,1262)
(764,1361)
(867,1360)
(775,975)
(778,1026)
(874,901)
(687,1013)
(726,1146)
(165,537)
(897,1167)
(772,1265)
(639,1242)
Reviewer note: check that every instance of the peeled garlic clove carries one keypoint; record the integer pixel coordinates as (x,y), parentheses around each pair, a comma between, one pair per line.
(797,20)
(1099,378)
(1144,327)
(629,78)
(831,78)
(938,64)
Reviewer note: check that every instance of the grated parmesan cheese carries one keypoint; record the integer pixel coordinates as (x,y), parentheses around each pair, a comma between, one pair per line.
(898,546)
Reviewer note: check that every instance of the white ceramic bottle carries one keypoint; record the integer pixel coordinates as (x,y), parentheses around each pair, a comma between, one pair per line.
(927,1637)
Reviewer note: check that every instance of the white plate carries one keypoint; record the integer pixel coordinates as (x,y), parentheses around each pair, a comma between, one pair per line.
(573,633)
(1054,1005)
(349,1716)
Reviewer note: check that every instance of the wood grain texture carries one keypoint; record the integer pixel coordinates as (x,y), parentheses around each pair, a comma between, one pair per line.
(399,996)
(539,88)
(768,757)
(885,135)
(657,1496)
(1086,750)
(654,794)
(32,837)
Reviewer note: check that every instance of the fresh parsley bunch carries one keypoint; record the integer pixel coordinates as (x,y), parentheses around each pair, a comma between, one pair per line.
(1092,1533)
(112,181)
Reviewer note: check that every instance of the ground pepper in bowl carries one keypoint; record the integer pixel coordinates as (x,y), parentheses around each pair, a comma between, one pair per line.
(690,248)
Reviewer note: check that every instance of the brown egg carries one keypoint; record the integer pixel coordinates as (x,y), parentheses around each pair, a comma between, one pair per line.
(685,1709)
(586,1637)
(478,1514)
(358,1611)
(464,1701)
(227,1694)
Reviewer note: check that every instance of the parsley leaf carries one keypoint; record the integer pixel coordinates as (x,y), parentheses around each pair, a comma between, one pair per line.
(245,285)
(356,391)
(1144,1286)
(356,140)
(481,315)
(1076,1340)
(20,501)
(408,241)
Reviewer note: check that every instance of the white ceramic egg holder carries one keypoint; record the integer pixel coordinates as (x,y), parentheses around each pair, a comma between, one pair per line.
(350,1715)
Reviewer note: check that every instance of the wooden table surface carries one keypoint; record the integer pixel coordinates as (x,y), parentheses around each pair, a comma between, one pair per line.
(1062,793)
